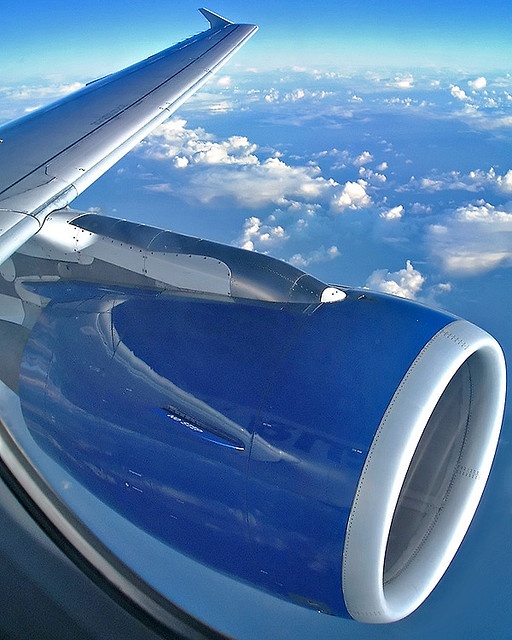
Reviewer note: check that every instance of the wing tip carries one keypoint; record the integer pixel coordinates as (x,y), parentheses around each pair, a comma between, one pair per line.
(216,21)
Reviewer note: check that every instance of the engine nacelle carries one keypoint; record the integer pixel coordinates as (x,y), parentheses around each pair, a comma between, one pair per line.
(332,455)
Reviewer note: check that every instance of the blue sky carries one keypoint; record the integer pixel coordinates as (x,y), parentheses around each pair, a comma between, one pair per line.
(89,37)
(368,143)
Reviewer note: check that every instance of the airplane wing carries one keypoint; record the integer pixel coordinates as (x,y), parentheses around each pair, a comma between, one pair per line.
(50,156)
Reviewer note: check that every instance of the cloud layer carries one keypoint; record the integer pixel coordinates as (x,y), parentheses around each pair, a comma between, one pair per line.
(406,283)
(295,198)
(476,239)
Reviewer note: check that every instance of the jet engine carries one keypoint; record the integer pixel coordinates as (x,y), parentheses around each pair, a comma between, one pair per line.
(328,445)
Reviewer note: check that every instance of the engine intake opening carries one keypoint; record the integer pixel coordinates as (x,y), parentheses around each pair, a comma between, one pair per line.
(424,474)
(431,475)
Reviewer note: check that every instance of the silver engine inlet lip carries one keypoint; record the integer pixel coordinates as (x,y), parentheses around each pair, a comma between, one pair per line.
(424,474)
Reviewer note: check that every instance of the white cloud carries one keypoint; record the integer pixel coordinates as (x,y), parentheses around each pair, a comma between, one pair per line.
(505,182)
(478,83)
(373,177)
(18,100)
(28,92)
(220,107)
(224,81)
(319,255)
(431,184)
(261,183)
(478,238)
(403,102)
(180,162)
(364,158)
(297,94)
(272,95)
(471,263)
(236,171)
(194,146)
(458,93)
(353,196)
(406,283)
(474,181)
(489,124)
(453,180)
(217,172)
(405,81)
(485,213)
(419,208)
(395,213)
(257,235)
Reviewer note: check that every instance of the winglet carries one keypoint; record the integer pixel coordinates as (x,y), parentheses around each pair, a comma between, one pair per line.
(216,21)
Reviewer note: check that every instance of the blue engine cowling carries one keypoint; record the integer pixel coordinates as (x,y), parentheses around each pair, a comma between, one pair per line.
(333,455)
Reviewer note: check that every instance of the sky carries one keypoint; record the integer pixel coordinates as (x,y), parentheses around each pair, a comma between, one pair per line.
(67,37)
(366,143)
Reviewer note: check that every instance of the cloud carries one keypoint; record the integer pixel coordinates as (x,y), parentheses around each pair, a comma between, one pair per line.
(406,283)
(452,180)
(478,120)
(275,96)
(353,196)
(485,213)
(474,181)
(26,93)
(180,162)
(372,177)
(319,255)
(259,184)
(395,213)
(233,169)
(258,235)
(504,182)
(272,95)
(471,263)
(213,98)
(403,102)
(224,81)
(478,83)
(364,158)
(420,208)
(297,94)
(402,81)
(477,239)
(220,107)
(19,100)
(194,146)
(458,93)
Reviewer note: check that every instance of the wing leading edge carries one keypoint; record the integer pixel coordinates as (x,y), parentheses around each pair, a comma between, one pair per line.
(50,156)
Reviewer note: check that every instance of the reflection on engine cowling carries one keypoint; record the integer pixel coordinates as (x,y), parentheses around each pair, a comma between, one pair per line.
(237,432)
